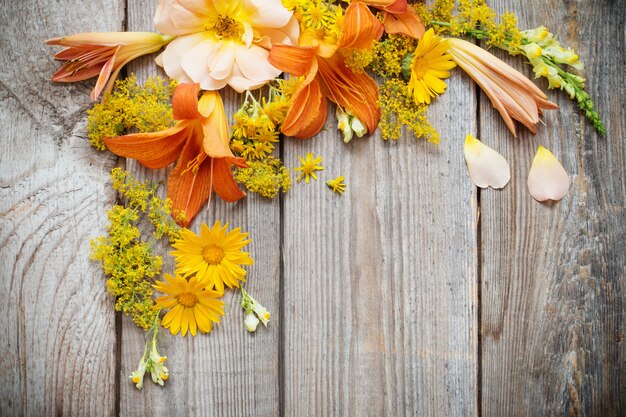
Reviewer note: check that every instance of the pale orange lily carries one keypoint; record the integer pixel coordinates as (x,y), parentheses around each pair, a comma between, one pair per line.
(399,17)
(199,141)
(326,75)
(103,55)
(510,92)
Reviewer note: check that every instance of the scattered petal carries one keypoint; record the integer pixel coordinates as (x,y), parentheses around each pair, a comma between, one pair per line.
(487,168)
(547,180)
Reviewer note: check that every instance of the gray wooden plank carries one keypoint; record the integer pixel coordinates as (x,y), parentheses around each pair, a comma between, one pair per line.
(380,295)
(228,372)
(554,275)
(58,325)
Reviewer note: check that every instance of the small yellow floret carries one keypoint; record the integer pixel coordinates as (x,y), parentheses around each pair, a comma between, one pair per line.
(308,167)
(337,185)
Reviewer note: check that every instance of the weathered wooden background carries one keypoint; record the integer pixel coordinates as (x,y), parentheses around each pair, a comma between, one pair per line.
(412,294)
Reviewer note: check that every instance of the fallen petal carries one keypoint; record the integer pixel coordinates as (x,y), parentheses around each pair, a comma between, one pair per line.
(547,180)
(487,168)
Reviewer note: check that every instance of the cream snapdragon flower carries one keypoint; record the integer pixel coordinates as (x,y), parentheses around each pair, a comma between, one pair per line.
(220,42)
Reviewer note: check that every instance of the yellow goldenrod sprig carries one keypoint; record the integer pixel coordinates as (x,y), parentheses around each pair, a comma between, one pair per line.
(265,177)
(142,196)
(145,108)
(398,108)
(255,312)
(151,360)
(126,259)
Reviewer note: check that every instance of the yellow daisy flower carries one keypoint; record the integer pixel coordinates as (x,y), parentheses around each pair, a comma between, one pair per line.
(215,256)
(429,66)
(308,168)
(191,305)
(337,185)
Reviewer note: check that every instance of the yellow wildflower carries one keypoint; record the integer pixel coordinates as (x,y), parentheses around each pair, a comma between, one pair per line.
(192,305)
(429,66)
(337,185)
(215,256)
(308,167)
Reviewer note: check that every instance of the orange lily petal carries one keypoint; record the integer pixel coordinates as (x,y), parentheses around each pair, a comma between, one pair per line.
(105,73)
(356,92)
(215,126)
(153,150)
(308,109)
(392,6)
(185,102)
(408,23)
(295,60)
(360,27)
(223,182)
(189,189)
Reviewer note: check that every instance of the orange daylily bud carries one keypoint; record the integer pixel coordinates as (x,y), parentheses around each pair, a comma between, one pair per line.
(511,93)
(103,55)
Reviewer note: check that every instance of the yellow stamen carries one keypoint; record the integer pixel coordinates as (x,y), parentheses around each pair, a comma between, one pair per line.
(187,299)
(213,254)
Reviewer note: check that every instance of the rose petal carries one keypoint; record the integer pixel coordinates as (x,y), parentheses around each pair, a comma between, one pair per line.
(268,13)
(174,53)
(547,180)
(254,65)
(487,168)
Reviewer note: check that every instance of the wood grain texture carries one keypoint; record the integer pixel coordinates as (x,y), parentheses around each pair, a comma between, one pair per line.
(554,275)
(228,372)
(380,295)
(57,342)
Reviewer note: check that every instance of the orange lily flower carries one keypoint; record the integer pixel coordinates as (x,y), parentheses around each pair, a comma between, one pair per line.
(199,141)
(103,55)
(326,75)
(511,93)
(399,17)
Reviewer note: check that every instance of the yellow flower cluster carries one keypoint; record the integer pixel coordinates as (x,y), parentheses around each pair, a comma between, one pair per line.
(257,122)
(388,55)
(323,18)
(398,108)
(265,177)
(144,108)
(125,257)
(541,43)
(130,263)
(142,196)
(474,18)
(545,53)
(359,59)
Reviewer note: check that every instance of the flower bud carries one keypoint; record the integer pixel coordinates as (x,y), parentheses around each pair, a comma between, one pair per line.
(251,322)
